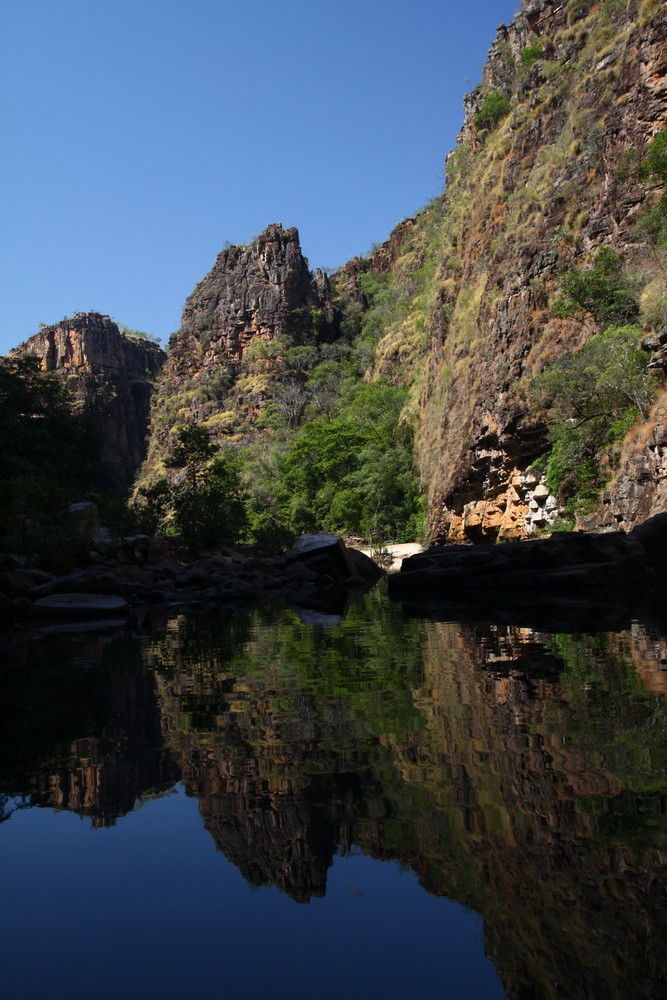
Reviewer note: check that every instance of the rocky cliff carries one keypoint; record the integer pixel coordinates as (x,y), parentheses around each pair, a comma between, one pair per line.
(110,376)
(541,177)
(224,364)
(639,488)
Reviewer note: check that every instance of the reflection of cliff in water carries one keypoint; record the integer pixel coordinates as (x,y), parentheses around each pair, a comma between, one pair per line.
(547,806)
(81,727)
(521,775)
(278,731)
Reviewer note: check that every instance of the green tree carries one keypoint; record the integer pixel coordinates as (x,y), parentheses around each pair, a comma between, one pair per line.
(49,454)
(602,290)
(595,395)
(207,505)
(192,453)
(353,473)
(214,511)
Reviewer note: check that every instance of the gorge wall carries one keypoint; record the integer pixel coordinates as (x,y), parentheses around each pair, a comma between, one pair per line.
(110,377)
(543,175)
(571,94)
(458,307)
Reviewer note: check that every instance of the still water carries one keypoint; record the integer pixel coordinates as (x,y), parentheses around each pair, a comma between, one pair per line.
(288,805)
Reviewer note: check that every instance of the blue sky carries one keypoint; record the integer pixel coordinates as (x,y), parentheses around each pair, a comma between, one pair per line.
(139,136)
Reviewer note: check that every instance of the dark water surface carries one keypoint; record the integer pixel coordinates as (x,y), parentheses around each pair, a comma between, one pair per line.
(258,806)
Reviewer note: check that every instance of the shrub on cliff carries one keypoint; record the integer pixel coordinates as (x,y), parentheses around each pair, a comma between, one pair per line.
(654,161)
(529,55)
(602,290)
(652,226)
(496,105)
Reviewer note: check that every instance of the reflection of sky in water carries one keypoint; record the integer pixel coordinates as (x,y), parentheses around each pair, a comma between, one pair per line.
(149,909)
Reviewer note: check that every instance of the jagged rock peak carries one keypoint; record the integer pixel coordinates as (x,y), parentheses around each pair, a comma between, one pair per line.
(265,289)
(253,295)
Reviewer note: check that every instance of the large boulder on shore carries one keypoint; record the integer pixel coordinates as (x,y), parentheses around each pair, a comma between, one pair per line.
(652,536)
(327,559)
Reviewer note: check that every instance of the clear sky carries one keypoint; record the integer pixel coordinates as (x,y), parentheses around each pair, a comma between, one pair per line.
(140,135)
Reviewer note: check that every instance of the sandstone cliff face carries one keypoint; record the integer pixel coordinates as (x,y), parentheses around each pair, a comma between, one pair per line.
(110,377)
(254,297)
(529,193)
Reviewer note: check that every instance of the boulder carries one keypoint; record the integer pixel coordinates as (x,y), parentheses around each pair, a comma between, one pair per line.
(15,583)
(323,553)
(84,519)
(652,536)
(60,585)
(364,566)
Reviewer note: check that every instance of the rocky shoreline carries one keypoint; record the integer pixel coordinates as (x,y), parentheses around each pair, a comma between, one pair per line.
(570,581)
(141,571)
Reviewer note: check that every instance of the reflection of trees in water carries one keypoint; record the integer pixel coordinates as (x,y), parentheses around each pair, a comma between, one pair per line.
(80,728)
(524,778)
(552,824)
(279,733)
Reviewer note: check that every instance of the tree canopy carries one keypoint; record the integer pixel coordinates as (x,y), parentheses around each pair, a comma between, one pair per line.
(49,454)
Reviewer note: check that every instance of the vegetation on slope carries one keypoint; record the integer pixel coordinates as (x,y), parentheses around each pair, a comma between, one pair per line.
(316,445)
(349,472)
(597,393)
(49,457)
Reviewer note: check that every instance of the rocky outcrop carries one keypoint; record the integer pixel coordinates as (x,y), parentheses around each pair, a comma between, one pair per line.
(263,290)
(319,575)
(110,377)
(261,297)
